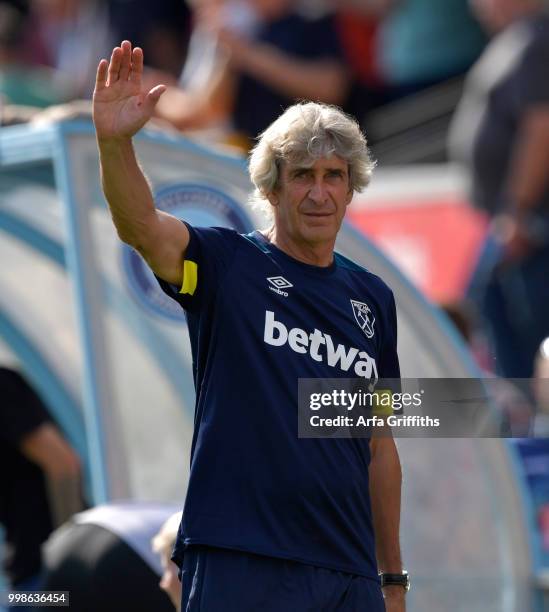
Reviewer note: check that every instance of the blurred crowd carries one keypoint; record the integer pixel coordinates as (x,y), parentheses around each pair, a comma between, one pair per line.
(232,65)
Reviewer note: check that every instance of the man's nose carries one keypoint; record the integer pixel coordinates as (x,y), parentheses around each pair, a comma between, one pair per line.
(318,191)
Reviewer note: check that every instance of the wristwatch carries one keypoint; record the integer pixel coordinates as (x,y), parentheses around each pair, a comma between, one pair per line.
(402,580)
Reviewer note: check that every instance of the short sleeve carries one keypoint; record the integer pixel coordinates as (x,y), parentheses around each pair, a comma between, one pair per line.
(532,86)
(208,257)
(389,366)
(21,410)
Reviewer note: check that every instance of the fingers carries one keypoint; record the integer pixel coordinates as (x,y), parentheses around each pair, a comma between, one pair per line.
(125,64)
(153,96)
(101,76)
(125,61)
(156,92)
(136,66)
(114,65)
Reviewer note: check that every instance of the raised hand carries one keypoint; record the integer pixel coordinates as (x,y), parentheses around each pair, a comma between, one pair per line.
(120,106)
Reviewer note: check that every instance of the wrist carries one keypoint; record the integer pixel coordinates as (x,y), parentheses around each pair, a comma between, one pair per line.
(395,582)
(113,143)
(393,591)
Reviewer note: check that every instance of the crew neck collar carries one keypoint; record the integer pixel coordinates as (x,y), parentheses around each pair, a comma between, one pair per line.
(280,254)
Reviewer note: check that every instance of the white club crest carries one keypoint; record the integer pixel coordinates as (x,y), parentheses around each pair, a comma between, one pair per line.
(364,317)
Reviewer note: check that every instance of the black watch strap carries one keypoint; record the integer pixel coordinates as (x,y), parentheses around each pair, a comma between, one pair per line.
(402,580)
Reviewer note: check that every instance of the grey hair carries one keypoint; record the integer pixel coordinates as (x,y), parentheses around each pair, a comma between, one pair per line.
(304,133)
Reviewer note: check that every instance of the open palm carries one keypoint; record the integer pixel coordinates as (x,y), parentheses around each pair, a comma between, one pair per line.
(120,106)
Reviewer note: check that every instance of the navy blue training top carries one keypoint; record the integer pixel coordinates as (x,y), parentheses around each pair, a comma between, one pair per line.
(259,320)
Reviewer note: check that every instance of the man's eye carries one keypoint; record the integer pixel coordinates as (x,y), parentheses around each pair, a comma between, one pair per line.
(335,174)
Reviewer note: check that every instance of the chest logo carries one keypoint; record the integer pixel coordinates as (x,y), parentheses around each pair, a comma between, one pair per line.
(278,284)
(364,317)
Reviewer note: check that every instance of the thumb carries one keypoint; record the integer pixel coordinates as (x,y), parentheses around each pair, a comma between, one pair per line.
(154,95)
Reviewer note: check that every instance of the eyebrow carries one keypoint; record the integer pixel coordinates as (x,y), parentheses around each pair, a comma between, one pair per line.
(299,169)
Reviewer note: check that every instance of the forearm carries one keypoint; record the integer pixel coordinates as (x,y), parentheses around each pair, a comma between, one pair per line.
(120,109)
(323,80)
(199,109)
(126,190)
(187,111)
(385,494)
(529,175)
(48,449)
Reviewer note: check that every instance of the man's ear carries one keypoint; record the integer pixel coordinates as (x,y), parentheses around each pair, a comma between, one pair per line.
(351,190)
(349,197)
(272,197)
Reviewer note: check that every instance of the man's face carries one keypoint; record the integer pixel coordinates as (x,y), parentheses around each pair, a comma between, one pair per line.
(310,203)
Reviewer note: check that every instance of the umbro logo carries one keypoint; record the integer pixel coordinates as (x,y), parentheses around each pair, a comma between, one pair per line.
(278,283)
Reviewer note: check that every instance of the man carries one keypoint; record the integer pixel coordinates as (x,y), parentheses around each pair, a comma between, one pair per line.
(501,133)
(39,479)
(271,521)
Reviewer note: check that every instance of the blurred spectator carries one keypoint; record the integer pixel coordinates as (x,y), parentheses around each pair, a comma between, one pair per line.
(39,479)
(423,42)
(501,130)
(205,55)
(516,410)
(464,317)
(22,83)
(76,34)
(162,544)
(358,22)
(103,557)
(161,28)
(269,55)
(201,83)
